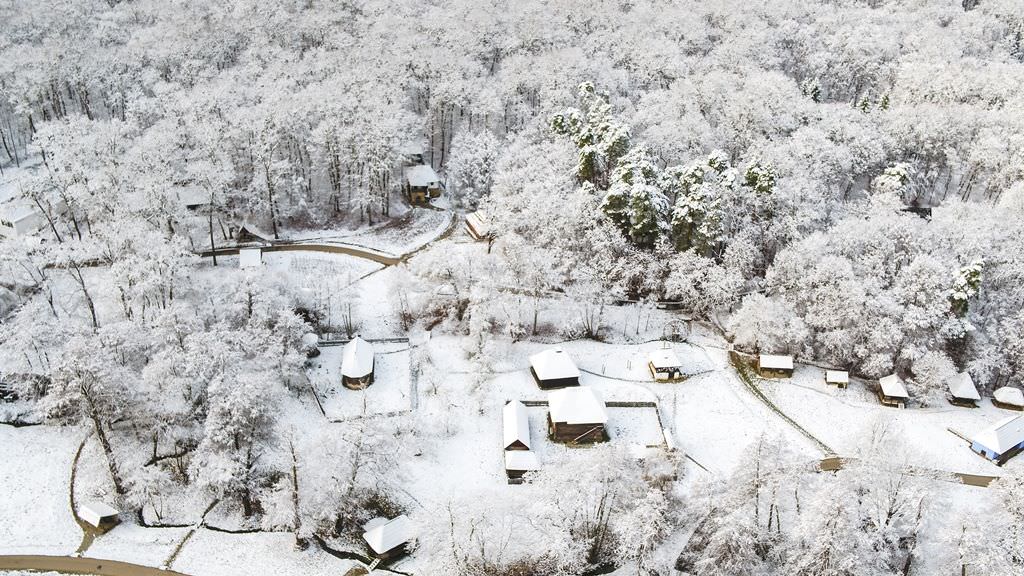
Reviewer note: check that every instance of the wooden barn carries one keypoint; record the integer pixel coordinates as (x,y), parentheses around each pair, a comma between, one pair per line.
(1001,441)
(389,538)
(1008,398)
(422,184)
(554,368)
(665,365)
(516,426)
(577,416)
(357,364)
(892,392)
(837,378)
(962,391)
(99,515)
(775,366)
(518,463)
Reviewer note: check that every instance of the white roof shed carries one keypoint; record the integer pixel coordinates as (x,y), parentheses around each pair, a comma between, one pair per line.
(1002,436)
(96,512)
(250,257)
(357,358)
(386,536)
(554,364)
(1008,395)
(776,362)
(837,377)
(664,358)
(516,424)
(962,386)
(893,387)
(577,405)
(521,461)
(421,176)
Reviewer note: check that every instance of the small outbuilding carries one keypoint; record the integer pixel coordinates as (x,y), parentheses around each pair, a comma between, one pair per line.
(310,344)
(250,257)
(665,365)
(477,226)
(357,364)
(99,515)
(775,366)
(1001,441)
(422,184)
(837,378)
(554,368)
(1009,398)
(389,538)
(516,426)
(518,463)
(962,391)
(892,392)
(577,416)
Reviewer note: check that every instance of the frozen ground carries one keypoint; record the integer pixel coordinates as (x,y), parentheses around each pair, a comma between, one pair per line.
(35,510)
(210,553)
(398,236)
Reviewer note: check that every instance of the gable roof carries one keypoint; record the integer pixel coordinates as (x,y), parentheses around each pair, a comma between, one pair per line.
(421,176)
(577,405)
(516,424)
(477,221)
(893,387)
(837,376)
(554,364)
(389,535)
(664,358)
(95,512)
(250,257)
(776,362)
(1011,396)
(1003,435)
(357,358)
(962,386)
(521,460)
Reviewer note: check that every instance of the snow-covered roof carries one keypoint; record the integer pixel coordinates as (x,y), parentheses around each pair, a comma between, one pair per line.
(516,424)
(310,340)
(390,535)
(478,222)
(962,386)
(837,376)
(421,176)
(95,512)
(893,387)
(1011,396)
(664,358)
(776,362)
(17,210)
(357,358)
(1002,435)
(554,364)
(250,257)
(193,196)
(577,405)
(521,460)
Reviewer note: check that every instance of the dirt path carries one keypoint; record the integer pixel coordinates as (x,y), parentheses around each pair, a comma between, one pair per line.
(834,463)
(78,565)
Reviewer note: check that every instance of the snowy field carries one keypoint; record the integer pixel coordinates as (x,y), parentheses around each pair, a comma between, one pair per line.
(391,391)
(410,231)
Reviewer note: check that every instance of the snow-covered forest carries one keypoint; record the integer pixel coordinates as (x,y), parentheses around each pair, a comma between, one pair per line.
(841,181)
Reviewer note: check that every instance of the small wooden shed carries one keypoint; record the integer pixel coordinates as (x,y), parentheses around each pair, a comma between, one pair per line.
(892,392)
(962,391)
(516,426)
(837,378)
(577,416)
(477,225)
(1009,398)
(1001,441)
(422,184)
(357,364)
(775,366)
(518,463)
(389,538)
(665,365)
(99,515)
(554,368)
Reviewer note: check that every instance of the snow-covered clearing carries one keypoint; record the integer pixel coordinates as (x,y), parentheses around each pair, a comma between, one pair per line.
(391,391)
(211,553)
